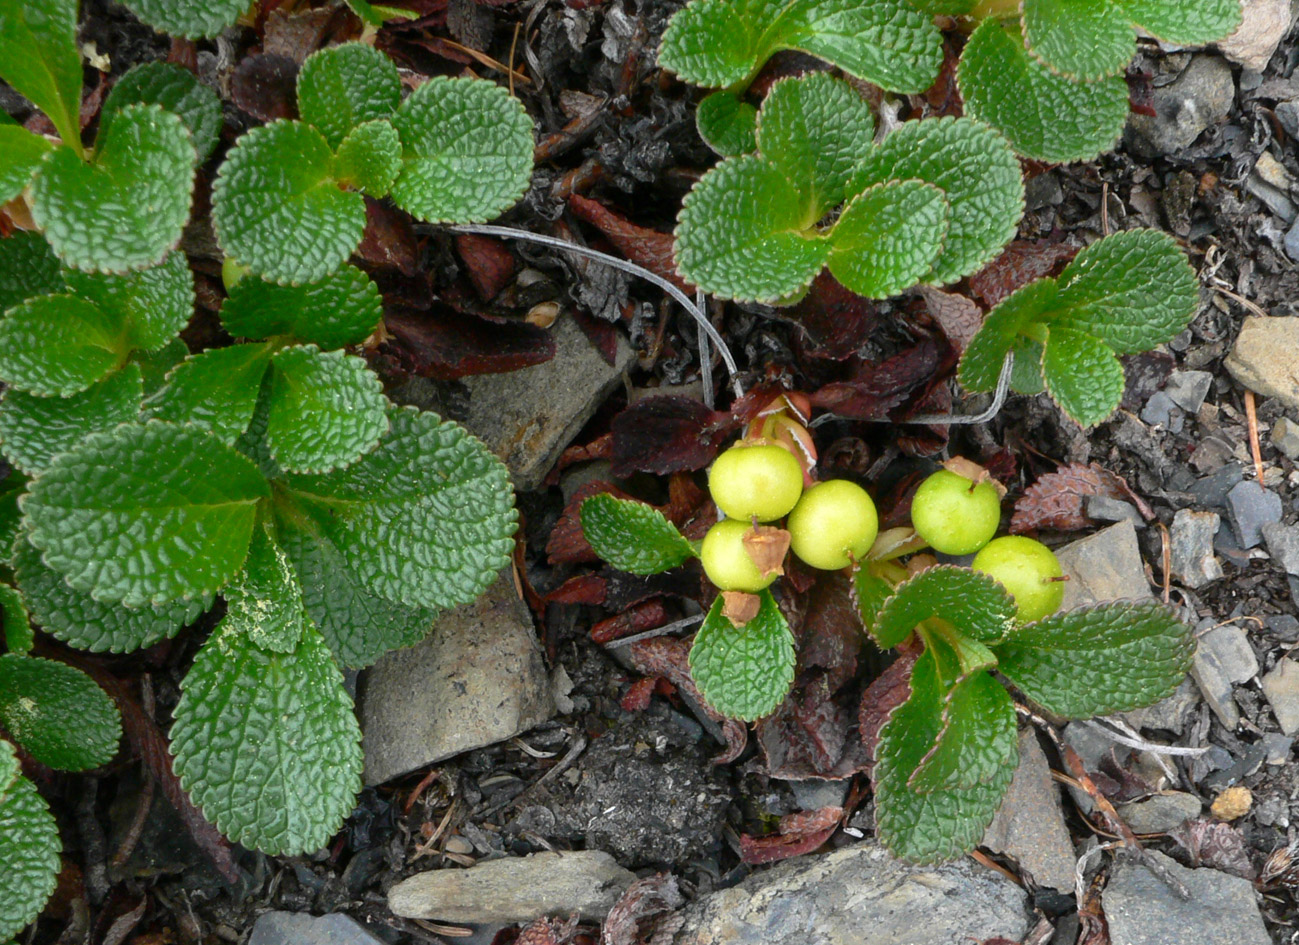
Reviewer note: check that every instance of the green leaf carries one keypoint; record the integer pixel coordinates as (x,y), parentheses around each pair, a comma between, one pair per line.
(33,430)
(21,153)
(1079,39)
(12,487)
(155,365)
(974,167)
(369,158)
(944,7)
(1185,24)
(177,90)
(146,514)
(971,602)
(814,130)
(56,345)
(981,363)
(358,625)
(1133,290)
(326,409)
(467,146)
(79,620)
(214,391)
(10,768)
(154,304)
(376,15)
(28,267)
(745,233)
(39,58)
(1045,116)
(723,43)
(744,672)
(870,591)
(727,123)
(127,207)
(344,86)
(267,744)
(57,713)
(16,625)
(1098,660)
(977,740)
(928,827)
(1026,369)
(426,519)
(344,308)
(632,536)
(1083,375)
(888,237)
(277,208)
(187,18)
(29,849)
(265,600)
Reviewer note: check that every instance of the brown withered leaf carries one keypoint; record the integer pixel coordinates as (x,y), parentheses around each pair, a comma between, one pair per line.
(667,434)
(1056,500)
(265,86)
(888,691)
(641,245)
(567,544)
(835,320)
(389,242)
(670,658)
(766,547)
(590,589)
(740,606)
(636,619)
(959,318)
(1020,263)
(1216,845)
(879,387)
(488,262)
(446,344)
(798,833)
(646,914)
(298,34)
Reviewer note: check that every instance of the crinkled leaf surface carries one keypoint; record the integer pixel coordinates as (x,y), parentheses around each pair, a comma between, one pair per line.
(187,18)
(983,357)
(744,232)
(425,519)
(633,536)
(21,152)
(727,123)
(12,488)
(56,345)
(146,514)
(265,600)
(888,237)
(125,208)
(79,620)
(467,150)
(15,628)
(10,768)
(28,268)
(177,90)
(343,86)
(154,304)
(341,309)
(977,741)
(744,672)
(870,591)
(57,713)
(722,43)
(944,7)
(39,58)
(1082,374)
(971,602)
(267,744)
(1080,39)
(369,158)
(1098,660)
(215,390)
(976,170)
(277,208)
(33,430)
(155,365)
(1045,116)
(29,850)
(326,409)
(1186,24)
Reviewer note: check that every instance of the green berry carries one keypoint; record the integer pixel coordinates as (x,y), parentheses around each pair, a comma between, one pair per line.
(833,523)
(763,481)
(1026,569)
(726,560)
(956,516)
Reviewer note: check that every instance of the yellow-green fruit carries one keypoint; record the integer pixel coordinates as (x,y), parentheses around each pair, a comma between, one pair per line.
(1025,568)
(232,272)
(765,481)
(954,515)
(727,563)
(833,523)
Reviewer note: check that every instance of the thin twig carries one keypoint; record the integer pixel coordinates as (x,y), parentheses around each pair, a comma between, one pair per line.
(656,632)
(1251,416)
(998,401)
(705,355)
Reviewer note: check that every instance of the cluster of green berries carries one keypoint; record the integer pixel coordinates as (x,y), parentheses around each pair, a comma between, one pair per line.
(959,516)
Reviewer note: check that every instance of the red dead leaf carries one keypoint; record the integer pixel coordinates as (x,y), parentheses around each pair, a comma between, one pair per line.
(297,35)
(490,265)
(646,913)
(388,241)
(1056,500)
(670,658)
(636,619)
(1019,264)
(1215,845)
(799,833)
(957,316)
(637,696)
(880,387)
(667,434)
(836,321)
(590,589)
(889,690)
(567,544)
(446,344)
(645,247)
(265,86)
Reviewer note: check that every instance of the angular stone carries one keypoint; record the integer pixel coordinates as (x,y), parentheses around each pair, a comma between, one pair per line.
(1104,566)
(515,889)
(1283,545)
(1142,910)
(1264,25)
(1223,657)
(1158,409)
(859,894)
(1201,96)
(1281,687)
(1030,824)
(296,928)
(1161,812)
(1251,506)
(477,679)
(1101,508)
(1188,389)
(1170,713)
(1264,357)
(1285,432)
(1211,490)
(1191,544)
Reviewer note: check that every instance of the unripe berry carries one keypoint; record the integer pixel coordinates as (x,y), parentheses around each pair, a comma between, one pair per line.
(761,480)
(833,523)
(1028,570)
(956,516)
(726,560)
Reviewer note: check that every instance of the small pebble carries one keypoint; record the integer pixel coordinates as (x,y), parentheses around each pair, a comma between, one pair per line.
(1252,506)
(1232,803)
(458,844)
(1285,432)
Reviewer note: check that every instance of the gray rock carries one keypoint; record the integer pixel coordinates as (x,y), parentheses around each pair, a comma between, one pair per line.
(1285,432)
(1170,713)
(1104,566)
(1211,490)
(296,928)
(1160,813)
(1292,234)
(859,893)
(1288,114)
(1283,545)
(1158,409)
(1278,747)
(1272,197)
(515,889)
(1030,824)
(1191,543)
(1101,508)
(1262,28)
(1281,687)
(1223,658)
(1043,190)
(1251,506)
(1142,910)
(815,793)
(1264,357)
(1285,627)
(1201,96)
(478,678)
(1188,389)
